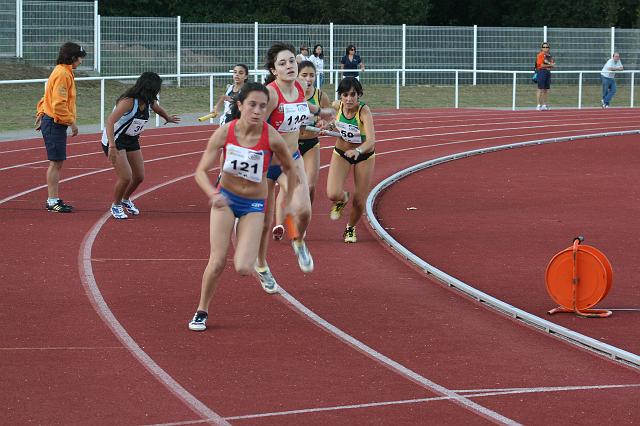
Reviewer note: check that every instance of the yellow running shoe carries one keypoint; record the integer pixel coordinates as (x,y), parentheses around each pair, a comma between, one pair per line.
(336,209)
(350,234)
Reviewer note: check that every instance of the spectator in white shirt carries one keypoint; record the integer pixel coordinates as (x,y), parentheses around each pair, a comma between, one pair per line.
(608,79)
(303,55)
(317,58)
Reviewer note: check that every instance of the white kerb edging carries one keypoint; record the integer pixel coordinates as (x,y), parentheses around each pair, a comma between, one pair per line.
(579,339)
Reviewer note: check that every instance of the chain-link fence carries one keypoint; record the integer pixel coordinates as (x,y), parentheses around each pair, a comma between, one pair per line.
(34,30)
(49,24)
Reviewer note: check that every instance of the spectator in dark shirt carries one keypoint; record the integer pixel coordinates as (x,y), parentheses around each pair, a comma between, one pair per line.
(351,61)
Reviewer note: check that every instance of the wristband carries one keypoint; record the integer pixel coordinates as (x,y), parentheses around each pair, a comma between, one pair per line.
(359,151)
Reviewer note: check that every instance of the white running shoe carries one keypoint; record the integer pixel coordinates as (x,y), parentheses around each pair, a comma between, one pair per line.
(199,321)
(118,212)
(130,207)
(305,261)
(267,281)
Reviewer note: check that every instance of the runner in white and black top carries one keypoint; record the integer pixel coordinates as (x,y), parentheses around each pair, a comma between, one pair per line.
(240,77)
(120,139)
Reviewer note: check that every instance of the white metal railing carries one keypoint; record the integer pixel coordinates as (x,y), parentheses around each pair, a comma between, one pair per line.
(115,47)
(399,77)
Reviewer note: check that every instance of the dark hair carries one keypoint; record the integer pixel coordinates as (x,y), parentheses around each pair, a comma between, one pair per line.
(314,51)
(348,83)
(242,95)
(270,61)
(69,52)
(305,64)
(349,47)
(246,70)
(145,89)
(545,43)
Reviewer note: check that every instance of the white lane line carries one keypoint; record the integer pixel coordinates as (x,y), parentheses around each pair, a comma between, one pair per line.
(393,365)
(102,308)
(97,153)
(28,191)
(472,393)
(105,313)
(68,348)
(99,303)
(491,130)
(511,391)
(112,259)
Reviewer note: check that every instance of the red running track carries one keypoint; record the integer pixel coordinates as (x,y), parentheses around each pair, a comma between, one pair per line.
(407,350)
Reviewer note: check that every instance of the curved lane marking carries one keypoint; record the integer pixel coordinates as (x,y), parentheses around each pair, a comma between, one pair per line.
(100,305)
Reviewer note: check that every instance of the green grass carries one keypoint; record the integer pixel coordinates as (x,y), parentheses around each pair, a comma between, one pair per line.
(18,102)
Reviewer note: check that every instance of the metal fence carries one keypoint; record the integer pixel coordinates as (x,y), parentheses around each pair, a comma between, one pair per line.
(33,30)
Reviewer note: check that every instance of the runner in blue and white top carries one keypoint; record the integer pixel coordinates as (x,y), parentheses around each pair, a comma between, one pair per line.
(120,139)
(240,77)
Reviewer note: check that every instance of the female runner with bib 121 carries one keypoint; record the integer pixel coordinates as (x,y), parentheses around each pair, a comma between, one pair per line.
(121,139)
(248,144)
(355,148)
(287,110)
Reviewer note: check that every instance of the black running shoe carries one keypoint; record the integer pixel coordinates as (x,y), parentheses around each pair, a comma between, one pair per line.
(59,207)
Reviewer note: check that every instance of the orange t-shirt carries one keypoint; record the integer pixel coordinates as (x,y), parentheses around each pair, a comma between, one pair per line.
(59,100)
(540,60)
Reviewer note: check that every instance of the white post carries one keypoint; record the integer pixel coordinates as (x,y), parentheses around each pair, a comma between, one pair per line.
(157,116)
(102,104)
(579,90)
(613,40)
(96,39)
(513,93)
(404,54)
(544,34)
(19,35)
(475,53)
(455,103)
(255,51)
(397,89)
(633,77)
(331,53)
(335,92)
(211,100)
(98,52)
(178,44)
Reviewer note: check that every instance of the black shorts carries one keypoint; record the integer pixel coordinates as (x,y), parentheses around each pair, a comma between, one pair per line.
(360,158)
(126,142)
(544,79)
(305,145)
(55,138)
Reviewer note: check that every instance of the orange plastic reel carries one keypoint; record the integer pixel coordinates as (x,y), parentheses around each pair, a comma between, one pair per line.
(577,278)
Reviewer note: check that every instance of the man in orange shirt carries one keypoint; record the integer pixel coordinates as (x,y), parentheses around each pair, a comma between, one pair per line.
(55,112)
(544,64)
